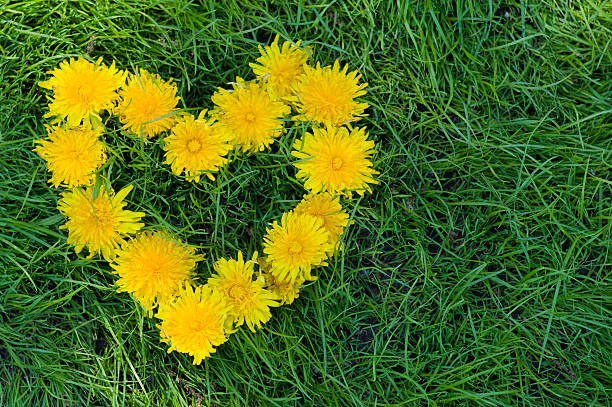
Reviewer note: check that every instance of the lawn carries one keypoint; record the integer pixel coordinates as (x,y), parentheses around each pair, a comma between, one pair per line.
(477,273)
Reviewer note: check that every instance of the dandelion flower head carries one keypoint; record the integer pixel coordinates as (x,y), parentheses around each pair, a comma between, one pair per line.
(72,155)
(335,159)
(328,95)
(295,245)
(249,114)
(250,302)
(327,208)
(280,67)
(196,146)
(153,266)
(82,90)
(147,104)
(194,322)
(100,224)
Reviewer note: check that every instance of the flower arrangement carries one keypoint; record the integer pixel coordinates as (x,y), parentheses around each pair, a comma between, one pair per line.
(334,160)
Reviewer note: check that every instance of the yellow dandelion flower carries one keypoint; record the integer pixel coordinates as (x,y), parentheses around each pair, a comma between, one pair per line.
(82,89)
(250,302)
(72,155)
(196,146)
(295,246)
(280,67)
(327,95)
(153,266)
(286,290)
(335,159)
(194,322)
(100,224)
(327,208)
(147,104)
(249,115)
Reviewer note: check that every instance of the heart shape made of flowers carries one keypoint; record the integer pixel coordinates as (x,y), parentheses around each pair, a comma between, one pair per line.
(333,160)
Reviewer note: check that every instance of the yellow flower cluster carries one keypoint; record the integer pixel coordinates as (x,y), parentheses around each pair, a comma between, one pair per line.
(157,268)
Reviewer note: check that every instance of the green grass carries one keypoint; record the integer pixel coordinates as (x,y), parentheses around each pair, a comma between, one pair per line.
(478,273)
